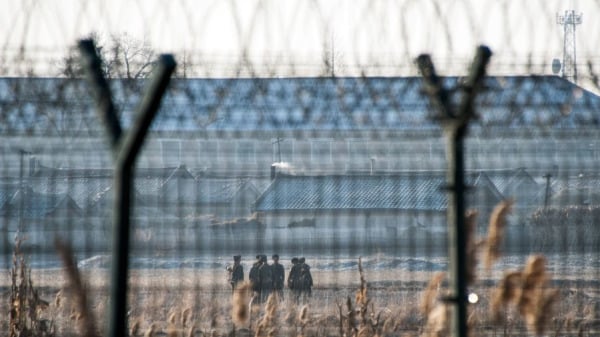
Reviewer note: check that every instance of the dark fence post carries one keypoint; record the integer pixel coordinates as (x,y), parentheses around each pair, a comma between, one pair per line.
(455,121)
(126,147)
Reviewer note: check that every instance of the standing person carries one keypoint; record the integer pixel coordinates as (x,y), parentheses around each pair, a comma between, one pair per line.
(266,278)
(278,274)
(236,272)
(254,277)
(294,280)
(306,281)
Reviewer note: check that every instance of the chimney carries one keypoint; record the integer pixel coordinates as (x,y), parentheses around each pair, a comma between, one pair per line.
(273,171)
(32,165)
(372,165)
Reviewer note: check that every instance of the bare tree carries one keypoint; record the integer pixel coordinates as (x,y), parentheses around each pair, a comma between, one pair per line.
(123,57)
(128,58)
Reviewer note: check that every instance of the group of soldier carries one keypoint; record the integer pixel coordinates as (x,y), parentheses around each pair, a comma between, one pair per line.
(268,278)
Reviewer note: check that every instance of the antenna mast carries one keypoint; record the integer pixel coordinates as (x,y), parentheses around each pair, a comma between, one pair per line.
(569,21)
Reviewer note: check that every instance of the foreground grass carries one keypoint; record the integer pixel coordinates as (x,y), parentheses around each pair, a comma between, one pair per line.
(192,302)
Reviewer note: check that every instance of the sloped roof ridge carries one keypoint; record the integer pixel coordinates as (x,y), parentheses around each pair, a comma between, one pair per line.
(359,175)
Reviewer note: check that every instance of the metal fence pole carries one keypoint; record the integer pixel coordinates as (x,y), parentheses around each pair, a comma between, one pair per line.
(455,121)
(126,147)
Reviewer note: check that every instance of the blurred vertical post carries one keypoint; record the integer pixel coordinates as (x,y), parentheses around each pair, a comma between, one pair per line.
(126,147)
(454,120)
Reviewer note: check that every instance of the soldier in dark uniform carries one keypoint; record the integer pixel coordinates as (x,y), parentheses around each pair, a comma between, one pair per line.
(254,277)
(278,274)
(236,272)
(266,278)
(305,279)
(294,280)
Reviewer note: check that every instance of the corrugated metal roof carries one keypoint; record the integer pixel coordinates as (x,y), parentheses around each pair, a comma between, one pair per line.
(517,183)
(419,192)
(88,187)
(39,205)
(414,191)
(204,191)
(85,191)
(7,190)
(317,103)
(220,190)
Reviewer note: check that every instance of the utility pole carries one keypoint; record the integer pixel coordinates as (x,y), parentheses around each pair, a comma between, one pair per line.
(278,141)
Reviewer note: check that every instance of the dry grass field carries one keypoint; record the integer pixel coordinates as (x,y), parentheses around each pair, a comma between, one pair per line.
(196,303)
(530,299)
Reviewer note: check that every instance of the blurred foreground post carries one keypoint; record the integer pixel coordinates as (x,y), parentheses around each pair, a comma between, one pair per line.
(454,119)
(125,146)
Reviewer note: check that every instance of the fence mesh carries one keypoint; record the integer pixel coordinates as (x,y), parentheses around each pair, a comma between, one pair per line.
(301,129)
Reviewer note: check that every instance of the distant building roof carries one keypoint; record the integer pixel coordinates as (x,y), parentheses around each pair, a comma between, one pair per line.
(204,191)
(583,189)
(407,191)
(419,192)
(517,184)
(7,190)
(40,105)
(39,205)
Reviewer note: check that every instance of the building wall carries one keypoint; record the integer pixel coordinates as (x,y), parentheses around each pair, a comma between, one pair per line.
(368,231)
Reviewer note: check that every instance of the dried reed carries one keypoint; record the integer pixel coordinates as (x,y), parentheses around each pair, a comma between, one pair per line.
(508,291)
(536,302)
(151,330)
(303,318)
(25,305)
(496,231)
(135,328)
(267,324)
(361,295)
(240,309)
(186,315)
(87,324)
(437,324)
(172,330)
(472,246)
(362,298)
(528,291)
(429,297)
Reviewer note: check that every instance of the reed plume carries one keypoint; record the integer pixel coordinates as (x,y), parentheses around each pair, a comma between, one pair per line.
(428,299)
(508,291)
(496,231)
(437,321)
(528,291)
(472,246)
(240,311)
(186,315)
(87,324)
(135,328)
(151,330)
(267,324)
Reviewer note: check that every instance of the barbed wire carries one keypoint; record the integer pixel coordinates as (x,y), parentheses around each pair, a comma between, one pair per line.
(275,37)
(324,96)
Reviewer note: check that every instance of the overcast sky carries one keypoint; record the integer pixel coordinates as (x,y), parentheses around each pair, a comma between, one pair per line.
(357,31)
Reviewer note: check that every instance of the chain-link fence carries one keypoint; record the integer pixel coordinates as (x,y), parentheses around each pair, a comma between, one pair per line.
(303,130)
